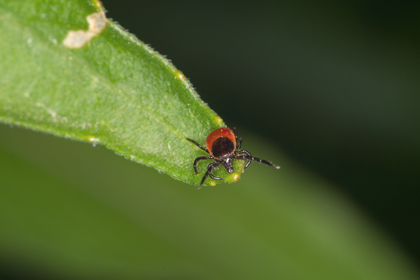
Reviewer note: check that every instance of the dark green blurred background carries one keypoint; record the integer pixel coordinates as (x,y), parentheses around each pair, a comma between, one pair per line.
(334,83)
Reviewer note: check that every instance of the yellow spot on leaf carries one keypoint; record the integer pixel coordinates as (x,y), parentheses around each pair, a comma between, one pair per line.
(77,39)
(235,177)
(98,4)
(219,121)
(180,75)
(92,139)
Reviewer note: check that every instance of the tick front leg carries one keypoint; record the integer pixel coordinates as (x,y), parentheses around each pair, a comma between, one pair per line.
(265,162)
(244,158)
(197,160)
(210,167)
(215,178)
(247,156)
(243,152)
(251,158)
(234,131)
(239,143)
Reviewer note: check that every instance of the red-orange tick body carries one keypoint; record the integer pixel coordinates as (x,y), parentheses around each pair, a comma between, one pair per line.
(223,146)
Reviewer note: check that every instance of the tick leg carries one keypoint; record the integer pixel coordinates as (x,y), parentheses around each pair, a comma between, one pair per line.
(210,167)
(197,160)
(243,152)
(251,158)
(215,178)
(265,162)
(244,158)
(238,144)
(198,145)
(247,156)
(234,131)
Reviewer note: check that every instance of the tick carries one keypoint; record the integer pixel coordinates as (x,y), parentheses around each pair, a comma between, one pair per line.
(223,146)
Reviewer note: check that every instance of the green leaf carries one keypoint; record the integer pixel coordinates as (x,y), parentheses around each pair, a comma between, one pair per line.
(113,90)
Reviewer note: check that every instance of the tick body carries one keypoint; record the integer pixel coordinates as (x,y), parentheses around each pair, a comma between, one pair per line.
(223,146)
